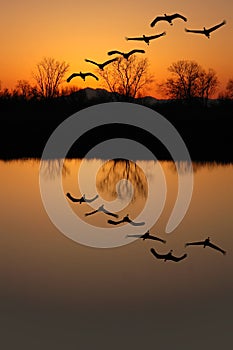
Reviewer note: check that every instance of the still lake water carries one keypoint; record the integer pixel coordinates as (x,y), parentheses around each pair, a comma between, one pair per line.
(59,294)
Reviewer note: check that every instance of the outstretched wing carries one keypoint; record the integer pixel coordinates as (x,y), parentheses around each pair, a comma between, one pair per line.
(91,199)
(176,259)
(109,61)
(154,238)
(86,60)
(135,51)
(135,38)
(216,247)
(92,75)
(72,76)
(75,200)
(158,256)
(115,222)
(194,243)
(136,223)
(92,212)
(138,236)
(109,213)
(157,19)
(113,52)
(177,15)
(217,26)
(194,31)
(157,35)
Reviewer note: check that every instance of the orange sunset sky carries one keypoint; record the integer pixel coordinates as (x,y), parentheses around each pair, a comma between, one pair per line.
(73,30)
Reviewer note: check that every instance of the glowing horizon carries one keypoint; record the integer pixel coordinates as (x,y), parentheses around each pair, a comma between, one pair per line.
(71,32)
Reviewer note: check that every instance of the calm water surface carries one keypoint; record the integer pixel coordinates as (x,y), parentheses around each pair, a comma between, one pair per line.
(59,294)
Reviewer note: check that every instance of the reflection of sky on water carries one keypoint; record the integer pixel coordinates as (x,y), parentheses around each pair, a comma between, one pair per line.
(56,292)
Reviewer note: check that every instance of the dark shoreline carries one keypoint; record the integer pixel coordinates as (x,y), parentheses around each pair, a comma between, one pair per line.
(204,143)
(25,127)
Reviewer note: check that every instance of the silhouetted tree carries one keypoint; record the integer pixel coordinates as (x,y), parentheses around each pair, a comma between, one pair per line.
(189,80)
(126,77)
(49,75)
(229,89)
(183,84)
(208,83)
(5,94)
(24,89)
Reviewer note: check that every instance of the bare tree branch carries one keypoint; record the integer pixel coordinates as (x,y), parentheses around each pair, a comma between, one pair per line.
(189,80)
(49,75)
(126,77)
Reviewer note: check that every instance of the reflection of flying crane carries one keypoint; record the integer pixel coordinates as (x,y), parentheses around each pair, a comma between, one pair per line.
(103,210)
(126,219)
(148,236)
(206,243)
(167,256)
(82,199)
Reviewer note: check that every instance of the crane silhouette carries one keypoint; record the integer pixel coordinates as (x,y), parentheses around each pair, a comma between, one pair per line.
(82,199)
(167,18)
(126,54)
(102,65)
(103,210)
(146,38)
(81,75)
(167,256)
(206,243)
(126,219)
(147,235)
(206,31)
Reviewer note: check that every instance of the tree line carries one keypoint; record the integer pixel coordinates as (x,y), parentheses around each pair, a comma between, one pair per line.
(129,78)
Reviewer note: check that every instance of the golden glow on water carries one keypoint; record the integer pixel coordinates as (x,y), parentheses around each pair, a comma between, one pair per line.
(22,197)
(42,268)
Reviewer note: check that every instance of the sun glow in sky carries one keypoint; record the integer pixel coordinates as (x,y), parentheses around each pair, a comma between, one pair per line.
(73,30)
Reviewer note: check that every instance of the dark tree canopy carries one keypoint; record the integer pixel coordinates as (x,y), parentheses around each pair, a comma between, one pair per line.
(229,89)
(189,80)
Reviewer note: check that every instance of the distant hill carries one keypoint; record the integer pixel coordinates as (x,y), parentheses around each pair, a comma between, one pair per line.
(149,101)
(88,95)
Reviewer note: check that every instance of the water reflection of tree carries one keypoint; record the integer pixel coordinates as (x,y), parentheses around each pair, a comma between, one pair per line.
(186,167)
(53,167)
(113,171)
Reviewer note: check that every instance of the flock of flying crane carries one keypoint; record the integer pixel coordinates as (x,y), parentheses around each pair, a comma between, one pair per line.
(145,236)
(168,18)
